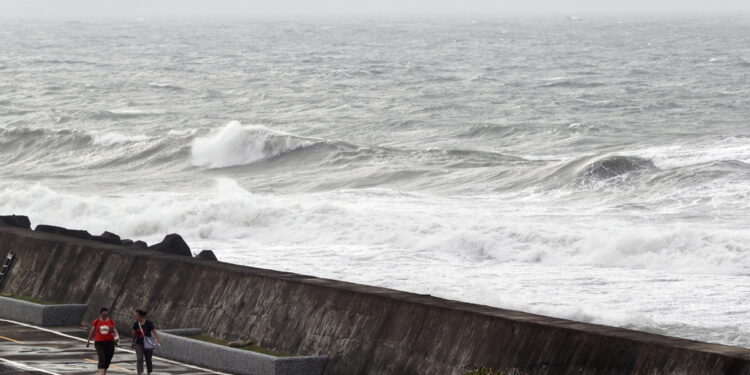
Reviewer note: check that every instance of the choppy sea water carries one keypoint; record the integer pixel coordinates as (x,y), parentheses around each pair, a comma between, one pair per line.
(595,169)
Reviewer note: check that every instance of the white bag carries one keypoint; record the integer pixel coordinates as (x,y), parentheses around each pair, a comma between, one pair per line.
(149,343)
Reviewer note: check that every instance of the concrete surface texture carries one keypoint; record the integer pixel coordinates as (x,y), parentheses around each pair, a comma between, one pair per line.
(236,361)
(31,350)
(42,315)
(9,370)
(363,329)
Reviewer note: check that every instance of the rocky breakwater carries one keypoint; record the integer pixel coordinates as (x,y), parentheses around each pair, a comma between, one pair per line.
(171,244)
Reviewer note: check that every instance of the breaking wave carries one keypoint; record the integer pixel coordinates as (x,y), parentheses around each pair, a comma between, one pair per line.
(37,139)
(260,148)
(235,144)
(115,138)
(602,168)
(592,171)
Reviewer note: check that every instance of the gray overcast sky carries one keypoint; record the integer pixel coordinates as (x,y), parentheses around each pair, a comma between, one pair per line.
(143,8)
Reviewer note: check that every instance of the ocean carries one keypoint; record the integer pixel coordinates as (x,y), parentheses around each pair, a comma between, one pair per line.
(593,168)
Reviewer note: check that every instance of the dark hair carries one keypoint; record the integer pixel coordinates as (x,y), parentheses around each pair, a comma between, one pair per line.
(103,310)
(141,313)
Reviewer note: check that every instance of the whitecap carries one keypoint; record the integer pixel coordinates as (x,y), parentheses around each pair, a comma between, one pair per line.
(114,138)
(237,144)
(129,111)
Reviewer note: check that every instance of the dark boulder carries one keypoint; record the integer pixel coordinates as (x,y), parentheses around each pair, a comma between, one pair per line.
(207,255)
(173,244)
(140,245)
(127,242)
(82,234)
(15,221)
(108,237)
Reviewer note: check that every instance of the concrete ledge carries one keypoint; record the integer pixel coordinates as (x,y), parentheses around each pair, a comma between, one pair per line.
(182,331)
(237,361)
(41,315)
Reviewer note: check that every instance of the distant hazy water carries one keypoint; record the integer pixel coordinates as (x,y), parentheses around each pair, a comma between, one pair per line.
(594,169)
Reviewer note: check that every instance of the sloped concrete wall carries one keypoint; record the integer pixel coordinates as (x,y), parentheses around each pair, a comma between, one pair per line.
(362,329)
(235,361)
(41,315)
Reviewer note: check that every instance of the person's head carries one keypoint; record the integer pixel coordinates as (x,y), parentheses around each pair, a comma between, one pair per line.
(140,314)
(104,313)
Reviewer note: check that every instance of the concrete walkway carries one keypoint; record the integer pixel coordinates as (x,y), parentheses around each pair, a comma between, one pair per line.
(27,349)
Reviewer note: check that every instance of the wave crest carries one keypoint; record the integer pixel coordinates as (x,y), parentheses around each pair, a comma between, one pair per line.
(236,144)
(58,138)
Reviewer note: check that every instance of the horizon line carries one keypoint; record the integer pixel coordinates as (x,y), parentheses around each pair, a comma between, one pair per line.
(329,15)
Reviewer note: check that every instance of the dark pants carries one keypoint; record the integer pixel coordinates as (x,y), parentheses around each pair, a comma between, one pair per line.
(140,355)
(105,350)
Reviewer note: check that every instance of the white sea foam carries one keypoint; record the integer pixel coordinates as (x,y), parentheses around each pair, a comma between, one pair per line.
(475,250)
(705,150)
(181,132)
(473,229)
(135,111)
(235,144)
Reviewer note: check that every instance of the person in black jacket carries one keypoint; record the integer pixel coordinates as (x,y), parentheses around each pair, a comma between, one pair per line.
(144,330)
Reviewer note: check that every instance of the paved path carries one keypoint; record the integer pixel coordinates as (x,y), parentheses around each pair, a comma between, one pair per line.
(27,349)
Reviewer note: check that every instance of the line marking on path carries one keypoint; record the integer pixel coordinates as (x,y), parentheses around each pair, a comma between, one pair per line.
(121,349)
(11,340)
(27,367)
(111,365)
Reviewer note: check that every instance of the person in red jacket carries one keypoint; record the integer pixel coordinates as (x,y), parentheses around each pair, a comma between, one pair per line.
(104,332)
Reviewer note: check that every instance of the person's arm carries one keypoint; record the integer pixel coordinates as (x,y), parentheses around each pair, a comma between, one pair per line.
(156,334)
(132,344)
(91,335)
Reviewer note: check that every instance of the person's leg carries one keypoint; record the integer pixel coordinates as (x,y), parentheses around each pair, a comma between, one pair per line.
(139,358)
(110,353)
(101,354)
(149,364)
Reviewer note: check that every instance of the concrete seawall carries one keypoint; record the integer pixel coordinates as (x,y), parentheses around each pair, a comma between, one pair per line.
(362,329)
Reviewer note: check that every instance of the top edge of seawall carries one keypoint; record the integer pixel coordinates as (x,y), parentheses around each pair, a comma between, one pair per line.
(421,299)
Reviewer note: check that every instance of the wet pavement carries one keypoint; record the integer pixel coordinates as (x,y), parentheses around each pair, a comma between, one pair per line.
(26,350)
(7,370)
